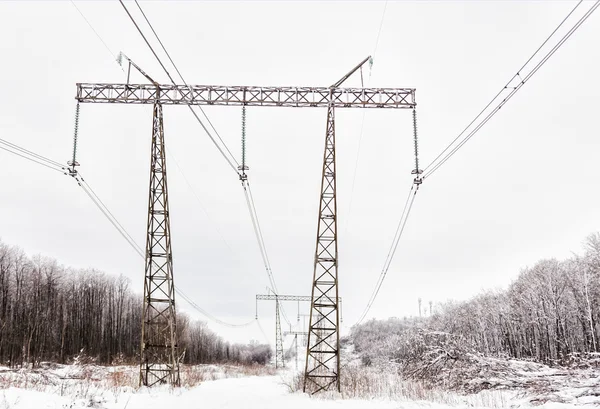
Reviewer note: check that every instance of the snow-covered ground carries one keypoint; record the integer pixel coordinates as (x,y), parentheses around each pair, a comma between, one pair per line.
(249,392)
(73,387)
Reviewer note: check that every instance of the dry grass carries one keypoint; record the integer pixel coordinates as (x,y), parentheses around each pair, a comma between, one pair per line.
(123,376)
(95,384)
(371,383)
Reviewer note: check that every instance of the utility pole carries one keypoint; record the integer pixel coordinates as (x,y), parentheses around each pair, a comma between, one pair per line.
(159,345)
(420,315)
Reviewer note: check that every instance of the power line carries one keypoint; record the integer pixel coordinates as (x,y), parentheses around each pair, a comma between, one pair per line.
(96,200)
(95,32)
(261,242)
(231,159)
(182,79)
(263,331)
(264,247)
(30,153)
(259,237)
(199,201)
(32,156)
(521,77)
(146,40)
(523,80)
(248,192)
(138,249)
(207,314)
(362,122)
(390,256)
(380,27)
(498,94)
(34,160)
(110,217)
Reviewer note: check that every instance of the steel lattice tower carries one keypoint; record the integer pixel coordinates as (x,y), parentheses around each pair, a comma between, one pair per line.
(279,355)
(279,336)
(159,357)
(159,362)
(323,354)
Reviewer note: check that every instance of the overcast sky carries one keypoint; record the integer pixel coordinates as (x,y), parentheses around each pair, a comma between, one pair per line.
(523,189)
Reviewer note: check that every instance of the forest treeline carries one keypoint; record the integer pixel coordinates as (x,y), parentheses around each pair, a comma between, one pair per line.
(52,313)
(550,312)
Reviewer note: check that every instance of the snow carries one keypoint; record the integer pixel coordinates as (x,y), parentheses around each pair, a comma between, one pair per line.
(265,392)
(74,387)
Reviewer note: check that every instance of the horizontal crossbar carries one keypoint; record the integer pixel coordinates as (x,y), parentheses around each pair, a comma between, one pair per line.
(297,97)
(272,297)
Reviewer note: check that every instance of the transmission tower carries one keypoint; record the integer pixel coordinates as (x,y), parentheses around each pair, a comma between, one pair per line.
(279,352)
(295,334)
(279,355)
(159,361)
(322,353)
(158,358)
(323,363)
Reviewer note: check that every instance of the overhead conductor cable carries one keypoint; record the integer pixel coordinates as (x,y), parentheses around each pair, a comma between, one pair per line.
(401,224)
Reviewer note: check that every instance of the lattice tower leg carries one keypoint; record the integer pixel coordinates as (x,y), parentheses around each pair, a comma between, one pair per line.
(279,359)
(158,359)
(322,355)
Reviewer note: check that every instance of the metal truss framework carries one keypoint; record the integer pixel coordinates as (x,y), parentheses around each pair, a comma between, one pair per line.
(323,97)
(279,355)
(295,334)
(159,362)
(271,297)
(303,334)
(158,359)
(279,352)
(299,298)
(322,353)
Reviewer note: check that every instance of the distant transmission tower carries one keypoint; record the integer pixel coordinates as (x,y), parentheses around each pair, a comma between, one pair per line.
(159,361)
(278,298)
(279,354)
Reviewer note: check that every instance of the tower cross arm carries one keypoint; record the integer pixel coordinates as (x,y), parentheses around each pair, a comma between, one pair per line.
(297,97)
(272,297)
(285,333)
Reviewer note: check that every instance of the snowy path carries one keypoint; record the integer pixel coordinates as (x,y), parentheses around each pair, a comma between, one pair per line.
(265,392)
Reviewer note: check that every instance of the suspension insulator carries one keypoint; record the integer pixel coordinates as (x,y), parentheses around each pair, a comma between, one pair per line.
(73,162)
(244,136)
(416,171)
(243,168)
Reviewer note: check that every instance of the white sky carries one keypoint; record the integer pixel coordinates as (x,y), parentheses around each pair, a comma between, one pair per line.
(521,190)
